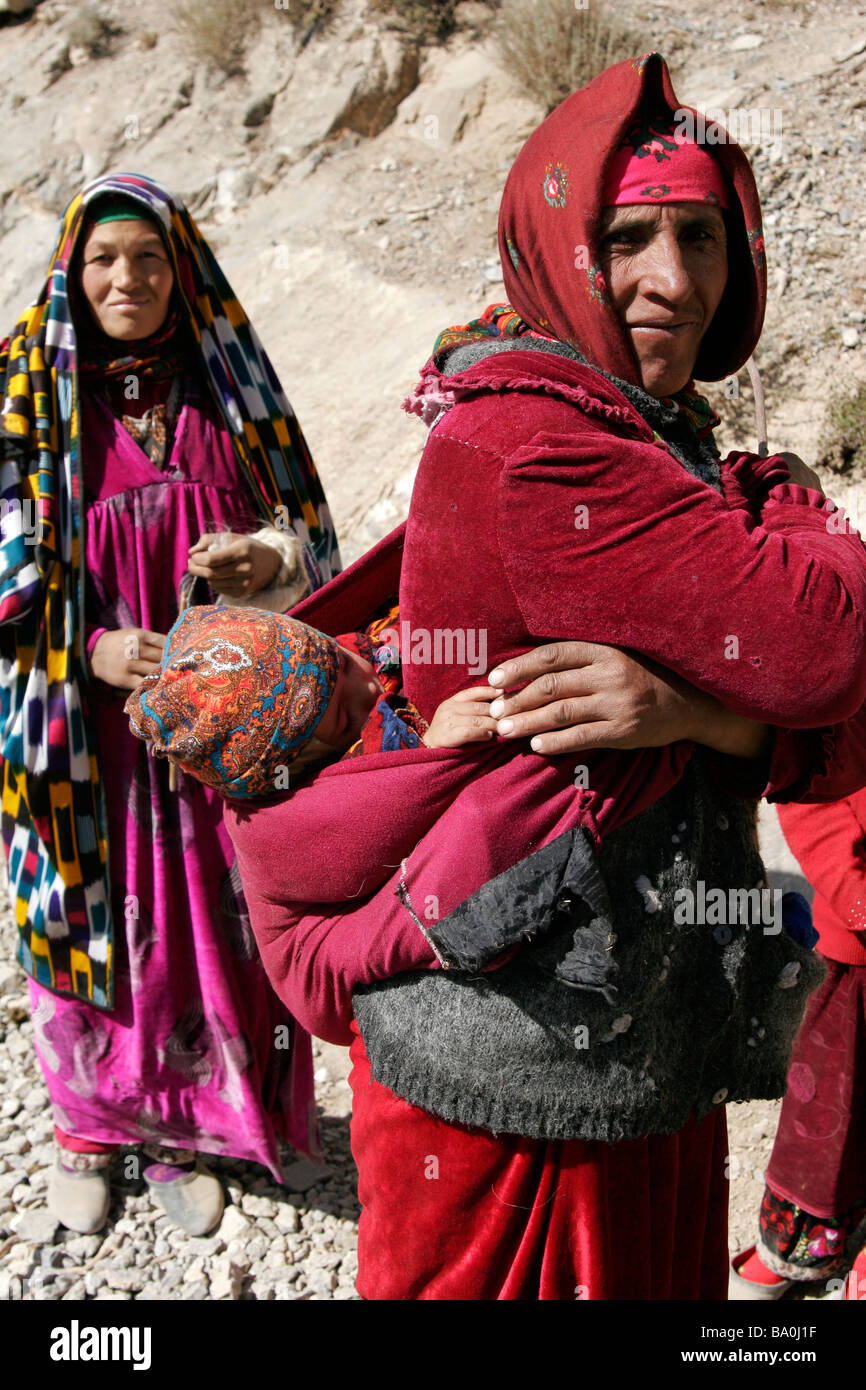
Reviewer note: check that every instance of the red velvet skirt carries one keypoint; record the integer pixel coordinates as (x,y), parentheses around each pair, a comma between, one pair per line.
(450,1212)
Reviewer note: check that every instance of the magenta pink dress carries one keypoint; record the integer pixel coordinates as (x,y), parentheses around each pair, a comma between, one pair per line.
(198,1053)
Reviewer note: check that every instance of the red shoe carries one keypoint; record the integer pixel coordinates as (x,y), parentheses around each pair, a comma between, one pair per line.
(740,1289)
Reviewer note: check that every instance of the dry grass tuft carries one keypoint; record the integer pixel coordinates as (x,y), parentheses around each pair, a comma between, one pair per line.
(217,30)
(430,21)
(843,442)
(309,17)
(90,30)
(552,47)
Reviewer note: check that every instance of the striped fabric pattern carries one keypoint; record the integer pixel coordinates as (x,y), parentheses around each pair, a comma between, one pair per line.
(53,814)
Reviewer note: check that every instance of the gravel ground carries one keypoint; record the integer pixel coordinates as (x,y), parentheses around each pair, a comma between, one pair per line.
(292,1242)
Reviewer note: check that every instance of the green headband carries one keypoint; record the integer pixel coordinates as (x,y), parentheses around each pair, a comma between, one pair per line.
(119,210)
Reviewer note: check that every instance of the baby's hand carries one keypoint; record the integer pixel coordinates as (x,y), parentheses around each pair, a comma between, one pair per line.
(463,719)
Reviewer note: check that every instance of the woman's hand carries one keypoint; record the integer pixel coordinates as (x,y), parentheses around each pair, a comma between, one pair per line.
(240,567)
(124,657)
(464,718)
(801,473)
(581,695)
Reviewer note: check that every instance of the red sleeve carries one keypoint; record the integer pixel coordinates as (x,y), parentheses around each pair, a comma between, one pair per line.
(315,960)
(751,477)
(829,844)
(808,765)
(832,761)
(769,616)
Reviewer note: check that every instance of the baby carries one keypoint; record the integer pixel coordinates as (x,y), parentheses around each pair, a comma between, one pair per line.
(245,696)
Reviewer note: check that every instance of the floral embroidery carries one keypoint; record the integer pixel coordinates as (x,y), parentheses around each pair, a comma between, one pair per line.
(712,197)
(640,63)
(756,245)
(512,251)
(799,1238)
(596,284)
(655,190)
(651,135)
(555,185)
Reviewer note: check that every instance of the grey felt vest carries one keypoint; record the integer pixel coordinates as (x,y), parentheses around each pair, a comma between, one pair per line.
(618,1016)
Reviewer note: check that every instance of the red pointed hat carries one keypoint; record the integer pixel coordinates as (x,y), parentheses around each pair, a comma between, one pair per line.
(581,159)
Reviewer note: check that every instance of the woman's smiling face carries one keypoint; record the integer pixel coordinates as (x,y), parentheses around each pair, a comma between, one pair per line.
(666,268)
(126,278)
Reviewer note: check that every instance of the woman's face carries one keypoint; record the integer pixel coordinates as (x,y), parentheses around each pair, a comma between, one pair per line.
(666,269)
(355,694)
(126,278)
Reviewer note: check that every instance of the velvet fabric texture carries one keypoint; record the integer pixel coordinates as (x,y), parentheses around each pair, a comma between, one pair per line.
(53,797)
(542,475)
(452,1212)
(818,1163)
(331,919)
(186,1057)
(819,1156)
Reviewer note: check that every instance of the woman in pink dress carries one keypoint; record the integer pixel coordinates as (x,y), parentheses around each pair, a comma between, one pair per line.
(145,438)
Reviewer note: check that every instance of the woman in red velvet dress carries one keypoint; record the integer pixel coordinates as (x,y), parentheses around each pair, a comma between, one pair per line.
(543,1039)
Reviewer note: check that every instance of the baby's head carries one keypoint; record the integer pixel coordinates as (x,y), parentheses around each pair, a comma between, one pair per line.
(243,696)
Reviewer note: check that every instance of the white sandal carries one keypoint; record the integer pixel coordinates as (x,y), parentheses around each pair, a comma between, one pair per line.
(194,1200)
(80,1197)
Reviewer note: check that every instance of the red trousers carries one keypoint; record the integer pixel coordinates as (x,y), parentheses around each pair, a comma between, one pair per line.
(82,1146)
(450,1212)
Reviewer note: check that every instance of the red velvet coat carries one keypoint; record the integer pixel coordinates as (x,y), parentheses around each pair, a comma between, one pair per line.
(666,566)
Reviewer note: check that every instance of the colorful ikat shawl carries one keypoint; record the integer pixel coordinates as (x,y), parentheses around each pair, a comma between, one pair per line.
(53,815)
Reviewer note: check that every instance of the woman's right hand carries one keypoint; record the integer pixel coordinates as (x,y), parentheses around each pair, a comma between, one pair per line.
(124,657)
(578,696)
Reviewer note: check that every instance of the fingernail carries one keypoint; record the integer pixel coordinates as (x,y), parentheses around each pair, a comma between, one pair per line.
(496,677)
(505,726)
(497,707)
(535,744)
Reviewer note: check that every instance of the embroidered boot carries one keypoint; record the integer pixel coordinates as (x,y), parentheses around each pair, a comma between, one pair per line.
(78,1192)
(184,1188)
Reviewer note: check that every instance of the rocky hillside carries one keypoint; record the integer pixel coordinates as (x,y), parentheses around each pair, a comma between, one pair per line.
(350,186)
